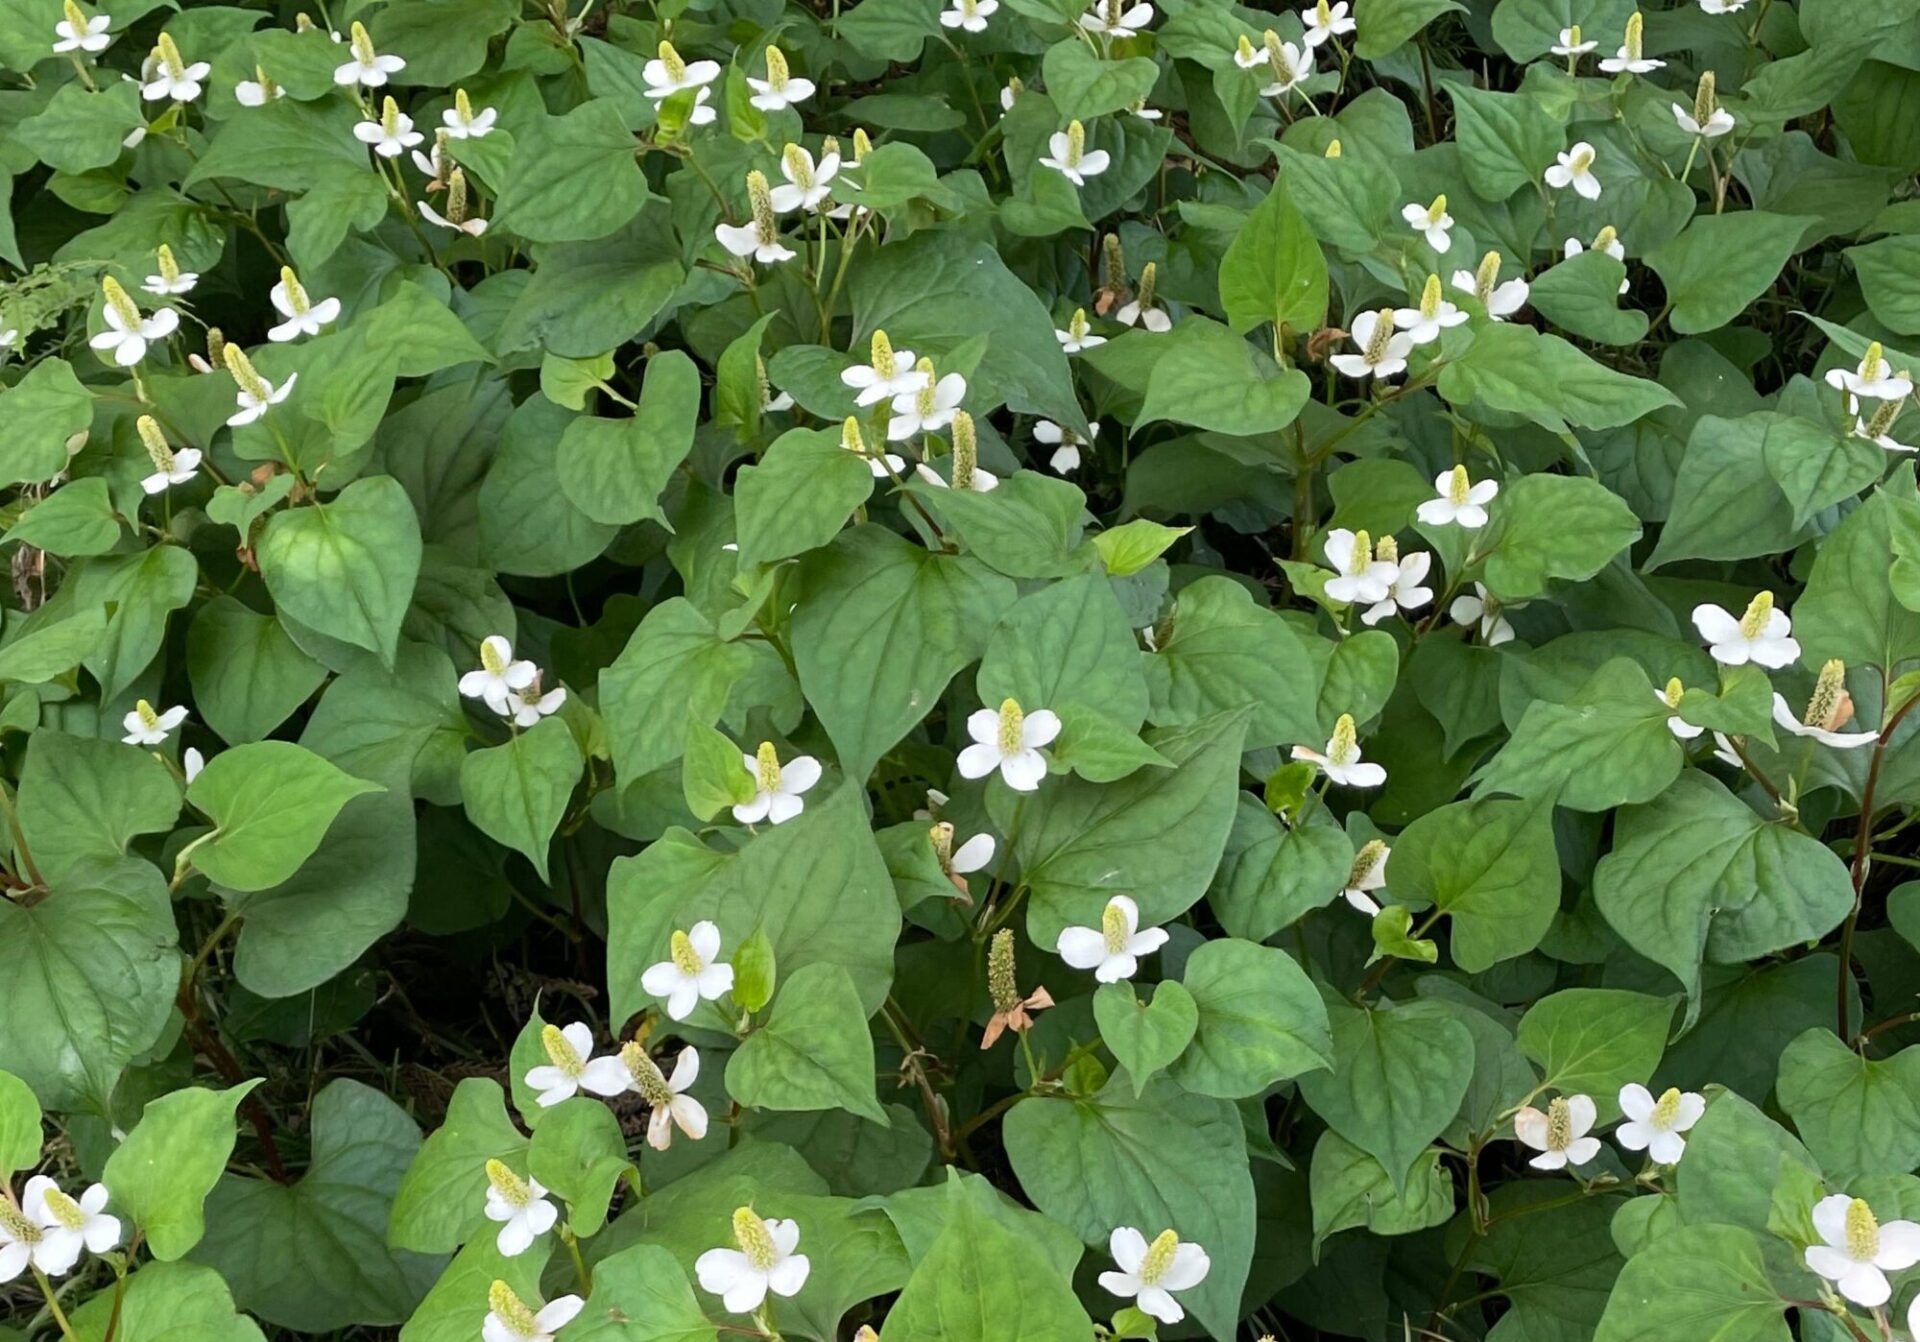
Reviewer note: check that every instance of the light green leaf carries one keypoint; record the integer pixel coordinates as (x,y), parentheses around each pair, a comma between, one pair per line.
(1712,1276)
(1222,652)
(440,1203)
(20,1135)
(1607,747)
(162,1173)
(1514,368)
(814,1052)
(799,496)
(517,793)
(165,1302)
(1273,270)
(1082,84)
(1593,1041)
(1147,1036)
(1857,1115)
(573,178)
(271,803)
(81,798)
(347,567)
(615,469)
(1722,262)
(1506,139)
(1350,1188)
(1210,378)
(248,676)
(1261,1021)
(1491,866)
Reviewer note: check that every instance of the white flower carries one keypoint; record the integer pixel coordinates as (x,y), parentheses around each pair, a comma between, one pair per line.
(511,1319)
(1141,308)
(1559,1134)
(1341,761)
(392,133)
(1873,379)
(1718,122)
(1361,576)
(1367,874)
(145,727)
(1654,1126)
(173,79)
(1458,500)
(256,395)
(1246,55)
(473,228)
(1858,1251)
(461,122)
(1479,606)
(1068,154)
(1431,222)
(1570,43)
(498,678)
(170,280)
(1434,315)
(1829,708)
(978,480)
(764,1261)
(1607,241)
(669,74)
(184,464)
(1291,66)
(1113,949)
(759,237)
(1149,1273)
(78,32)
(1500,300)
(781,90)
(928,410)
(258,91)
(776,797)
(1575,168)
(303,315)
(1406,591)
(1670,699)
(521,1207)
(971,15)
(1630,59)
(1323,22)
(1761,635)
(1383,351)
(431,163)
(890,373)
(1009,739)
(50,1228)
(529,705)
(1066,444)
(128,333)
(692,974)
(1114,18)
(368,67)
(807,185)
(1078,335)
(569,1053)
(635,1071)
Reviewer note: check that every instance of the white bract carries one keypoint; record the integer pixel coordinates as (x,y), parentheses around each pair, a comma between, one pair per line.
(1066,444)
(669,74)
(391,134)
(692,972)
(521,1208)
(1829,708)
(1367,874)
(1655,1126)
(777,787)
(1150,1273)
(970,15)
(764,1261)
(258,91)
(368,67)
(1719,121)
(1116,18)
(888,373)
(1323,22)
(1500,300)
(672,1107)
(1078,335)
(511,1319)
(1480,607)
(1761,635)
(79,32)
(781,89)
(128,332)
(1113,949)
(1434,314)
(461,122)
(49,1229)
(1574,168)
(569,1052)
(1857,1250)
(978,480)
(807,184)
(303,315)
(1670,698)
(1289,65)
(1631,59)
(1141,308)
(1431,222)
(1009,739)
(530,704)
(146,727)
(1458,500)
(1067,154)
(498,678)
(1407,591)
(1341,761)
(1559,1134)
(1359,576)
(173,79)
(1383,350)
(929,409)
(1878,430)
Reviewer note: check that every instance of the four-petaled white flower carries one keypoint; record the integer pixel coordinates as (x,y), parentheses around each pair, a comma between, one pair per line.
(1367,874)
(499,677)
(1323,22)
(1631,59)
(1009,739)
(461,122)
(368,67)
(1829,709)
(173,80)
(780,89)
(669,74)
(1761,635)
(1858,1251)
(79,32)
(889,373)
(1655,1126)
(1608,241)
(1458,501)
(1719,121)
(391,133)
(1067,154)
(1873,379)
(1559,1134)
(759,237)
(1341,761)
(777,787)
(1078,335)
(129,333)
(1431,222)
(303,315)
(1670,698)
(1500,300)
(1407,591)
(1113,949)
(146,727)
(1149,1273)
(1360,576)
(530,704)
(692,972)
(1574,168)
(473,228)
(764,1261)
(170,279)
(169,467)
(50,1229)
(1116,18)
(929,409)
(979,480)
(1290,66)
(1480,607)
(1246,55)
(521,1208)
(511,1319)
(672,1107)
(808,184)
(1571,43)
(1434,314)
(569,1053)
(1066,444)
(971,15)
(1141,307)
(254,394)
(1383,350)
